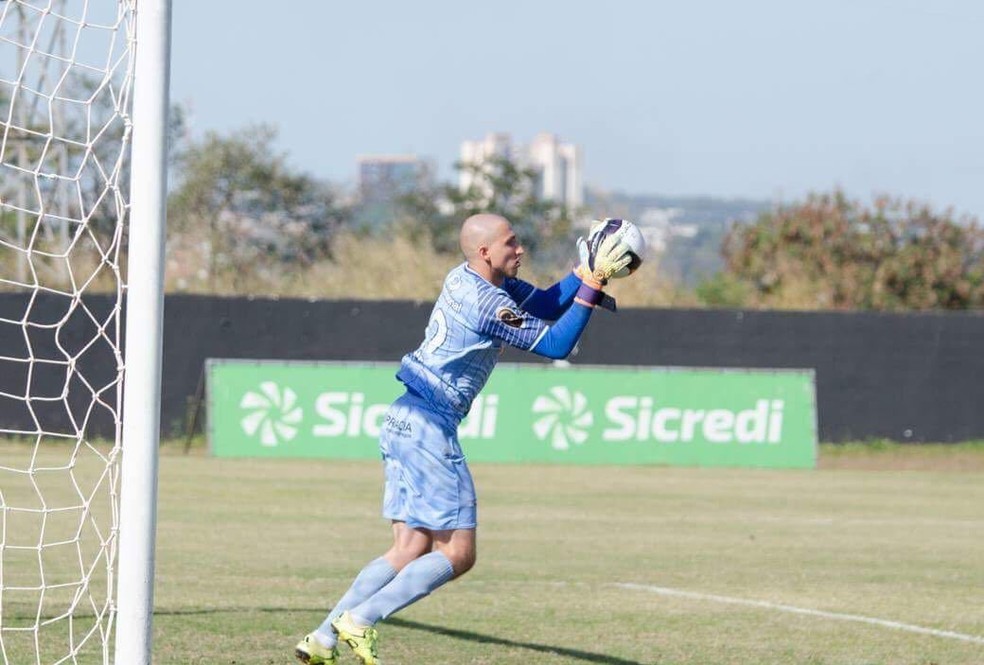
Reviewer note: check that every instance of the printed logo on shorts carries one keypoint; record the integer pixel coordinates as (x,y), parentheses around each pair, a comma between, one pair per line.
(399,427)
(510,317)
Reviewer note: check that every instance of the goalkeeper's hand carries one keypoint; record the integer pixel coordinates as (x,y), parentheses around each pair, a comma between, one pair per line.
(599,261)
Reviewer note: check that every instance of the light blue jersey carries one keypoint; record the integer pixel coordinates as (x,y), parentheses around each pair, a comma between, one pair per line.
(471,321)
(428,484)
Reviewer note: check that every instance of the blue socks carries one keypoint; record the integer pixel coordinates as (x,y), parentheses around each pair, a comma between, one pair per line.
(419,578)
(376,575)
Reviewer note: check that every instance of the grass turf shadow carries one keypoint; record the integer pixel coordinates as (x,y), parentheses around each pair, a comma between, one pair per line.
(467,635)
(470,636)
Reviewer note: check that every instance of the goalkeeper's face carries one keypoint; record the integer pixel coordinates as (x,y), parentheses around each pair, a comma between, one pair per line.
(505,252)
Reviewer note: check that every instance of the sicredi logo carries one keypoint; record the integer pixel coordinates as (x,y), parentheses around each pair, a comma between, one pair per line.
(636,418)
(563,417)
(272,413)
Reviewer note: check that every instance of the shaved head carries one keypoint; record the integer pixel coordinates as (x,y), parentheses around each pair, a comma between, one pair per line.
(479,230)
(490,247)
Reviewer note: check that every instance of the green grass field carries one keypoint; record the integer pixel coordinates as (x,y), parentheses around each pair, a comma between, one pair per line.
(591,565)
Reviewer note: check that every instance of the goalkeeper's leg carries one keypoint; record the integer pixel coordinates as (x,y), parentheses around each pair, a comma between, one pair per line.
(377,574)
(318,648)
(454,555)
(418,578)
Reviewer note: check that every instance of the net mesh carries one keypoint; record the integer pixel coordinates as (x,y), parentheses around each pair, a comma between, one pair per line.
(66,70)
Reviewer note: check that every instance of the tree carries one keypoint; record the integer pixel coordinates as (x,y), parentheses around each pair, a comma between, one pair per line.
(500,186)
(66,158)
(239,202)
(829,252)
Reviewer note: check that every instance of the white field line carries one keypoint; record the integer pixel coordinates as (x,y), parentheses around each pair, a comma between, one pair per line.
(895,625)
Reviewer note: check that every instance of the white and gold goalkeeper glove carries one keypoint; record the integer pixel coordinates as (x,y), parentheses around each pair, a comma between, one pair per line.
(602,255)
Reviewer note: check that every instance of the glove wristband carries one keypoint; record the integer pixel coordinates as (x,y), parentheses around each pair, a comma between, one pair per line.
(589,294)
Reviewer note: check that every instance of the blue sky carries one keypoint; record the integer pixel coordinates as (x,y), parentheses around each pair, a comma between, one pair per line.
(762,98)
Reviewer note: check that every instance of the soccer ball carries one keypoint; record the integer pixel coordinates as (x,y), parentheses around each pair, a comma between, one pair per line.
(633,238)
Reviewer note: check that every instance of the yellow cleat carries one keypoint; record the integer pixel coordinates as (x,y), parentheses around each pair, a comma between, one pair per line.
(311,652)
(362,639)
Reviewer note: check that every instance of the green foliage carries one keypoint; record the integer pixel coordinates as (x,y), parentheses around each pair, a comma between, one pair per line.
(723,290)
(64,162)
(499,186)
(829,252)
(239,200)
(242,221)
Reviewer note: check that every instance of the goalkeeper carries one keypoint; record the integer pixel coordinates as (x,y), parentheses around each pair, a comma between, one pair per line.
(429,496)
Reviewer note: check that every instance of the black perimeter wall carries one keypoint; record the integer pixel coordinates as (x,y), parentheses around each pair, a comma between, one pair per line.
(915,377)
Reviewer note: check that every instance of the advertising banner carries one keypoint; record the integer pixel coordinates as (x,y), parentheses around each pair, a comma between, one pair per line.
(526,413)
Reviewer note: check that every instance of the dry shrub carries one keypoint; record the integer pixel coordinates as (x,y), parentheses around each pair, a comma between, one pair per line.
(398,266)
(371,268)
(394,267)
(647,287)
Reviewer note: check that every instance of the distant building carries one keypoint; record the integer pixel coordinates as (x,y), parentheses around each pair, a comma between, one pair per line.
(496,144)
(383,180)
(659,225)
(387,177)
(558,165)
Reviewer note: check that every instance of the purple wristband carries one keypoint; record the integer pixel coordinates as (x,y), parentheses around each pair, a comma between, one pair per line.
(589,295)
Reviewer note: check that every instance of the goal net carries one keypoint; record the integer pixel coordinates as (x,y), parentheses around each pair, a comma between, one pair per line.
(66,73)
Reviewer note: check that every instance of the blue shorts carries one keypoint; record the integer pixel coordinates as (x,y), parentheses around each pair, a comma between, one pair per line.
(428,484)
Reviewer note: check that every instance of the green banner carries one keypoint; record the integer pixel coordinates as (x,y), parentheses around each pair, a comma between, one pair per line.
(579,415)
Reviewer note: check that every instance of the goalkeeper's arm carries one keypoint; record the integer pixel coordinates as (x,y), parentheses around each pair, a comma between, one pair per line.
(560,338)
(552,302)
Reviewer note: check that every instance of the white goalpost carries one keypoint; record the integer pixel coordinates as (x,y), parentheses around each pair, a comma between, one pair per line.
(83,126)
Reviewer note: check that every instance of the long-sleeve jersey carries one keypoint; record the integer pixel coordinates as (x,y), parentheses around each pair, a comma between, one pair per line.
(468,326)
